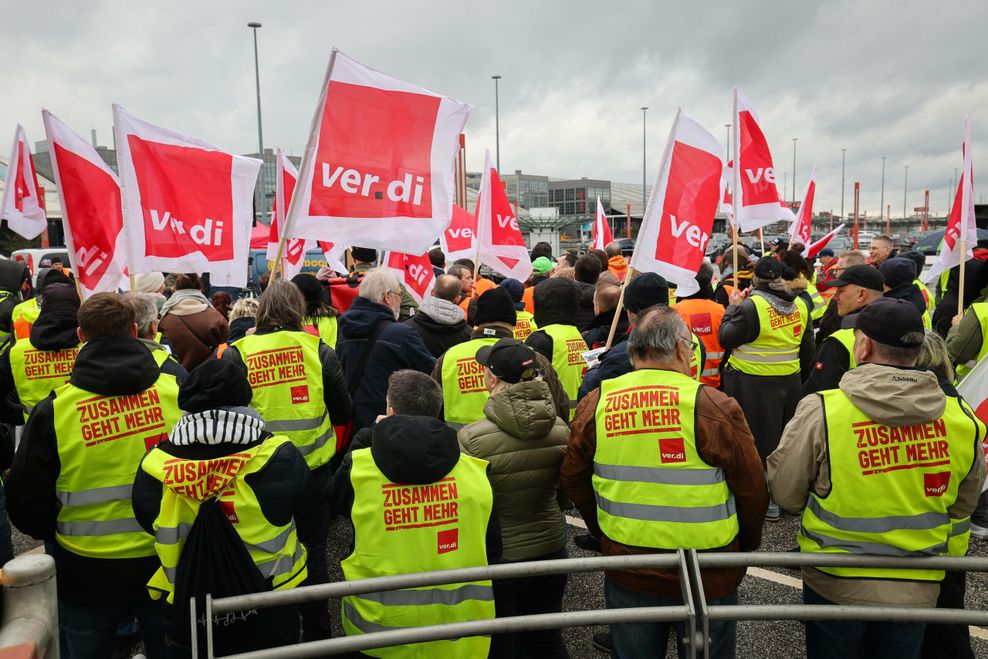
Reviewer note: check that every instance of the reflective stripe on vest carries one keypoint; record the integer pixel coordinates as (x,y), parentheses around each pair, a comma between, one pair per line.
(980,310)
(37,372)
(845,337)
(275,550)
(524,325)
(776,350)
(891,487)
(285,373)
(404,529)
(665,498)
(928,298)
(101,440)
(568,347)
(464,391)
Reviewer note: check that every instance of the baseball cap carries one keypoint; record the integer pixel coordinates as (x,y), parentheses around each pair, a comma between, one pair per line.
(826,251)
(860,275)
(510,360)
(889,321)
(644,291)
(542,266)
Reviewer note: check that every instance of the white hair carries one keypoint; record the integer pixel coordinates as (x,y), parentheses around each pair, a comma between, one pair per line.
(376,284)
(145,310)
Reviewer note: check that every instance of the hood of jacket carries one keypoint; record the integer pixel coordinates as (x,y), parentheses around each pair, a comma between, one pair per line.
(617,264)
(441,313)
(57,322)
(12,273)
(239,327)
(586,294)
(414,450)
(524,410)
(894,396)
(114,366)
(559,304)
(362,316)
(908,291)
(783,303)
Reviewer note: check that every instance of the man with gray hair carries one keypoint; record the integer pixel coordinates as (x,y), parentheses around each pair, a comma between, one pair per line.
(703,488)
(373,345)
(439,321)
(146,311)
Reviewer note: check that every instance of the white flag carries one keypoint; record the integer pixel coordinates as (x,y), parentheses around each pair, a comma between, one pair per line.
(23,204)
(961,221)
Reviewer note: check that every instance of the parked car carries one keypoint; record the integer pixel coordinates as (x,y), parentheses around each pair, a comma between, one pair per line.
(35,259)
(929,244)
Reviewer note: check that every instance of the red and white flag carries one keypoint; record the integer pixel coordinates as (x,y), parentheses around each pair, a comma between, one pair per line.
(801,230)
(23,203)
(459,240)
(187,205)
(815,248)
(973,388)
(681,208)
(415,272)
(502,246)
(754,192)
(961,221)
(601,229)
(89,192)
(378,169)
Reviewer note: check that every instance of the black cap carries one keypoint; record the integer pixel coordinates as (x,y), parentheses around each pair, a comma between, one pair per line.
(826,251)
(860,275)
(363,254)
(496,306)
(510,360)
(889,320)
(768,268)
(644,291)
(779,242)
(213,384)
(897,271)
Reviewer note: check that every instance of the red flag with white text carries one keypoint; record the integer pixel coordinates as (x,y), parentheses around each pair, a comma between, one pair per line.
(92,220)
(601,229)
(378,169)
(415,272)
(293,252)
(815,248)
(188,206)
(459,240)
(23,204)
(758,200)
(961,220)
(502,246)
(801,229)
(681,208)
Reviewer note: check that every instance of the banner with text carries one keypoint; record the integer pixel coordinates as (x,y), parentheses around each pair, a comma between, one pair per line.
(502,246)
(459,240)
(415,272)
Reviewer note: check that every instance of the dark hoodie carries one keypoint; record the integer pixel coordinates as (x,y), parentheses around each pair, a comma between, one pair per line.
(584,310)
(106,366)
(558,300)
(12,275)
(398,346)
(908,291)
(409,450)
(600,328)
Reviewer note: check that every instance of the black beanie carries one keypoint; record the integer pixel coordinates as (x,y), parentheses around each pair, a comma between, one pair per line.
(363,254)
(214,383)
(646,290)
(496,306)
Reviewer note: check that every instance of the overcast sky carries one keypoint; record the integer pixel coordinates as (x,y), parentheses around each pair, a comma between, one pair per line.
(876,78)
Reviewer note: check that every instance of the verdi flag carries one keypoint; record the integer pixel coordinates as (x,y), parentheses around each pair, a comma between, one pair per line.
(601,229)
(187,204)
(801,230)
(23,204)
(961,221)
(92,221)
(815,248)
(415,272)
(681,207)
(502,246)
(459,240)
(378,169)
(293,253)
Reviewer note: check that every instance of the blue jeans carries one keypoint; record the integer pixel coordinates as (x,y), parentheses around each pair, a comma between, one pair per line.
(90,632)
(850,639)
(649,639)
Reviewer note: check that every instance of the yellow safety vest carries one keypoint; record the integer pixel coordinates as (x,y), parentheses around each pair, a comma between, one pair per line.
(23,317)
(819,304)
(776,350)
(38,372)
(464,392)
(567,359)
(928,298)
(891,488)
(325,328)
(5,335)
(285,372)
(980,310)
(404,529)
(845,337)
(524,325)
(275,550)
(101,440)
(696,358)
(665,498)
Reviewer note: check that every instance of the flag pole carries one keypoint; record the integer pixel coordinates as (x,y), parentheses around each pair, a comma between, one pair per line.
(618,309)
(736,192)
(966,191)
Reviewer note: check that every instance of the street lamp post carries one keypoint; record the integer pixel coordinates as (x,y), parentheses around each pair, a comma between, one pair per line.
(905,191)
(644,161)
(843,154)
(794,170)
(253,25)
(881,206)
(497,123)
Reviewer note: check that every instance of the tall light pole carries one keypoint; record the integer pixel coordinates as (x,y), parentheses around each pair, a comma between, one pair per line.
(905,191)
(843,154)
(497,123)
(253,25)
(881,206)
(644,183)
(794,170)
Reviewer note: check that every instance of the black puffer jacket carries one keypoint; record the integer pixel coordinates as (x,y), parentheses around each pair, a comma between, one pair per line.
(12,275)
(908,291)
(556,303)
(584,310)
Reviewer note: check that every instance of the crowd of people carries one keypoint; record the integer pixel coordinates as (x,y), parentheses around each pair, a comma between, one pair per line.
(173,445)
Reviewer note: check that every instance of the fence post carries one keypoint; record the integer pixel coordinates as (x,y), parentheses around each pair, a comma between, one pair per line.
(701,636)
(30,604)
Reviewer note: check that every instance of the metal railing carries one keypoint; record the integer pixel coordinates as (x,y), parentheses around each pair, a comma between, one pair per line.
(30,606)
(694,612)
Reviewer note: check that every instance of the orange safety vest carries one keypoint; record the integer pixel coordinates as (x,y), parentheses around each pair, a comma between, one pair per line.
(528,297)
(703,317)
